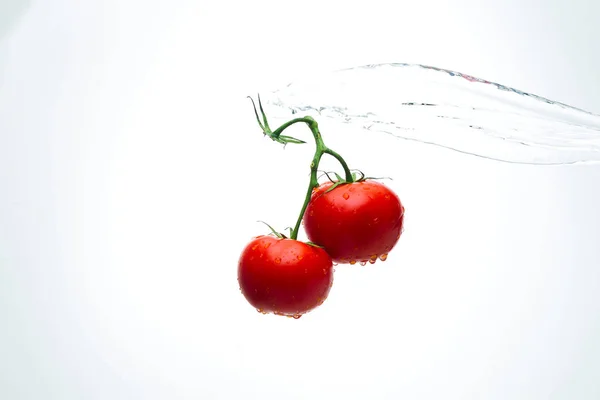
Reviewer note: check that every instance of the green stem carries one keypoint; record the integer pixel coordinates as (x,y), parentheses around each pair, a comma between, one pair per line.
(314,165)
(312,184)
(344,165)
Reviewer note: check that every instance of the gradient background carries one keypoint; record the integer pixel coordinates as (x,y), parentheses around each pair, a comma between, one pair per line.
(132,174)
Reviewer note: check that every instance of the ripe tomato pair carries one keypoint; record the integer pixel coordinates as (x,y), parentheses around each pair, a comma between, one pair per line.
(351,222)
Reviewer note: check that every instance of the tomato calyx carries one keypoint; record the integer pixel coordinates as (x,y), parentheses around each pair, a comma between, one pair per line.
(341,181)
(280,235)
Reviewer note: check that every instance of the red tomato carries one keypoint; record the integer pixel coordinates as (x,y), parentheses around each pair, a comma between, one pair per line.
(284,276)
(355,222)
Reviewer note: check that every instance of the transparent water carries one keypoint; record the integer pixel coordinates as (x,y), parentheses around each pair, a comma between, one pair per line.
(448,109)
(123,237)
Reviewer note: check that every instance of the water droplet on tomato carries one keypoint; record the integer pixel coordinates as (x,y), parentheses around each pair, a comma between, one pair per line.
(372,261)
(296,316)
(383,257)
(311,213)
(260,310)
(363,262)
(277,260)
(324,271)
(299,257)
(254,247)
(366,188)
(266,246)
(352,262)
(387,197)
(346,196)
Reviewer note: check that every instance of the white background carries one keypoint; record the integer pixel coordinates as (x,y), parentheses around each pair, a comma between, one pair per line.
(132,174)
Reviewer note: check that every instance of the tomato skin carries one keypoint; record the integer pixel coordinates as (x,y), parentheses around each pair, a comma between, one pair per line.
(355,222)
(284,276)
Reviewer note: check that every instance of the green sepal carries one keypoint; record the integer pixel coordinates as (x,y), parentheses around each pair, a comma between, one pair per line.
(274,232)
(263,113)
(336,184)
(287,139)
(264,125)
(257,117)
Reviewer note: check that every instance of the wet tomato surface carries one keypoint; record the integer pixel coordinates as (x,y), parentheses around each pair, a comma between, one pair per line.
(284,276)
(355,222)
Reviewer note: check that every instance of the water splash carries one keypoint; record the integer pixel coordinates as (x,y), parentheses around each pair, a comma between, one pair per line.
(448,109)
